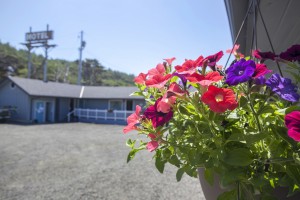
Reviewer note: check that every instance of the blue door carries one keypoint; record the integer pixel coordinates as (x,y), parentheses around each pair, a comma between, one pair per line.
(39,111)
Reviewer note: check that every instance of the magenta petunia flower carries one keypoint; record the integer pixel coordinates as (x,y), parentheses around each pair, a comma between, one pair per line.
(292,122)
(213,59)
(240,72)
(283,87)
(292,53)
(262,56)
(157,118)
(261,70)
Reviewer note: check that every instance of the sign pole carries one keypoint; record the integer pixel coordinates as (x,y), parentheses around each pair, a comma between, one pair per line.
(38,39)
(46,57)
(29,57)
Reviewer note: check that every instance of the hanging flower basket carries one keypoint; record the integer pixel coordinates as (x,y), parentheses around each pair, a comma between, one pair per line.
(240,123)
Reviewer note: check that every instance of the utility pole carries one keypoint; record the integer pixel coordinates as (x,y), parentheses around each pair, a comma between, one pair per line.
(82,45)
(47,46)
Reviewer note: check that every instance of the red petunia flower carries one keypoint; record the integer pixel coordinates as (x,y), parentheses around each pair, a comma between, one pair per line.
(292,122)
(219,99)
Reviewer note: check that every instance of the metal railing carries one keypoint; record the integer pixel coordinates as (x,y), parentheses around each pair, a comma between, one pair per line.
(100,114)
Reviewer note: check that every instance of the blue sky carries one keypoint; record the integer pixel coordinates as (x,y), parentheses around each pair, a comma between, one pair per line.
(131,36)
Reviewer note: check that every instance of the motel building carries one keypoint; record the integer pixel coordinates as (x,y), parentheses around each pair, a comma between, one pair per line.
(36,101)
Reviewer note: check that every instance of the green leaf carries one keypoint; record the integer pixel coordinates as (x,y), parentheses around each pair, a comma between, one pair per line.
(137,93)
(160,164)
(228,195)
(130,143)
(282,132)
(266,109)
(209,175)
(190,171)
(291,109)
(179,174)
(243,102)
(230,176)
(174,160)
(294,173)
(131,155)
(252,138)
(238,157)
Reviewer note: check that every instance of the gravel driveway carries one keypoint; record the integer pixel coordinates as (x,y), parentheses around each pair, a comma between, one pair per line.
(82,161)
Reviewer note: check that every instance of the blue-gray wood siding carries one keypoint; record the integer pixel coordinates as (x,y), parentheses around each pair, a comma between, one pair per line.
(101,104)
(63,109)
(12,95)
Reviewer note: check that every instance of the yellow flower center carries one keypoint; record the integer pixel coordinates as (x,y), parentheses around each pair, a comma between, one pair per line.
(219,97)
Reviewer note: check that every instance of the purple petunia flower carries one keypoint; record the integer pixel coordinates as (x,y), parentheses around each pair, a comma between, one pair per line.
(283,87)
(260,80)
(240,72)
(292,53)
(182,77)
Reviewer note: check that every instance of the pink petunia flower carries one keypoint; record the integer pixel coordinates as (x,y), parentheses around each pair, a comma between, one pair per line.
(235,48)
(169,98)
(206,80)
(189,66)
(132,120)
(153,144)
(292,122)
(170,60)
(141,78)
(158,70)
(158,81)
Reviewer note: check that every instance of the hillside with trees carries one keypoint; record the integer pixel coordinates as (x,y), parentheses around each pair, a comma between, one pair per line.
(15,62)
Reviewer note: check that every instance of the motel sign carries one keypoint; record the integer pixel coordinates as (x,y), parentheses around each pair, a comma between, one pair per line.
(39,36)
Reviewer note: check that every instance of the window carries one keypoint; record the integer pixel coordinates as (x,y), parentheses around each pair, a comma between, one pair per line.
(115,105)
(129,105)
(12,85)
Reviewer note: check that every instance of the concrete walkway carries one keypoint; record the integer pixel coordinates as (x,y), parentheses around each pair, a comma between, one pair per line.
(82,161)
